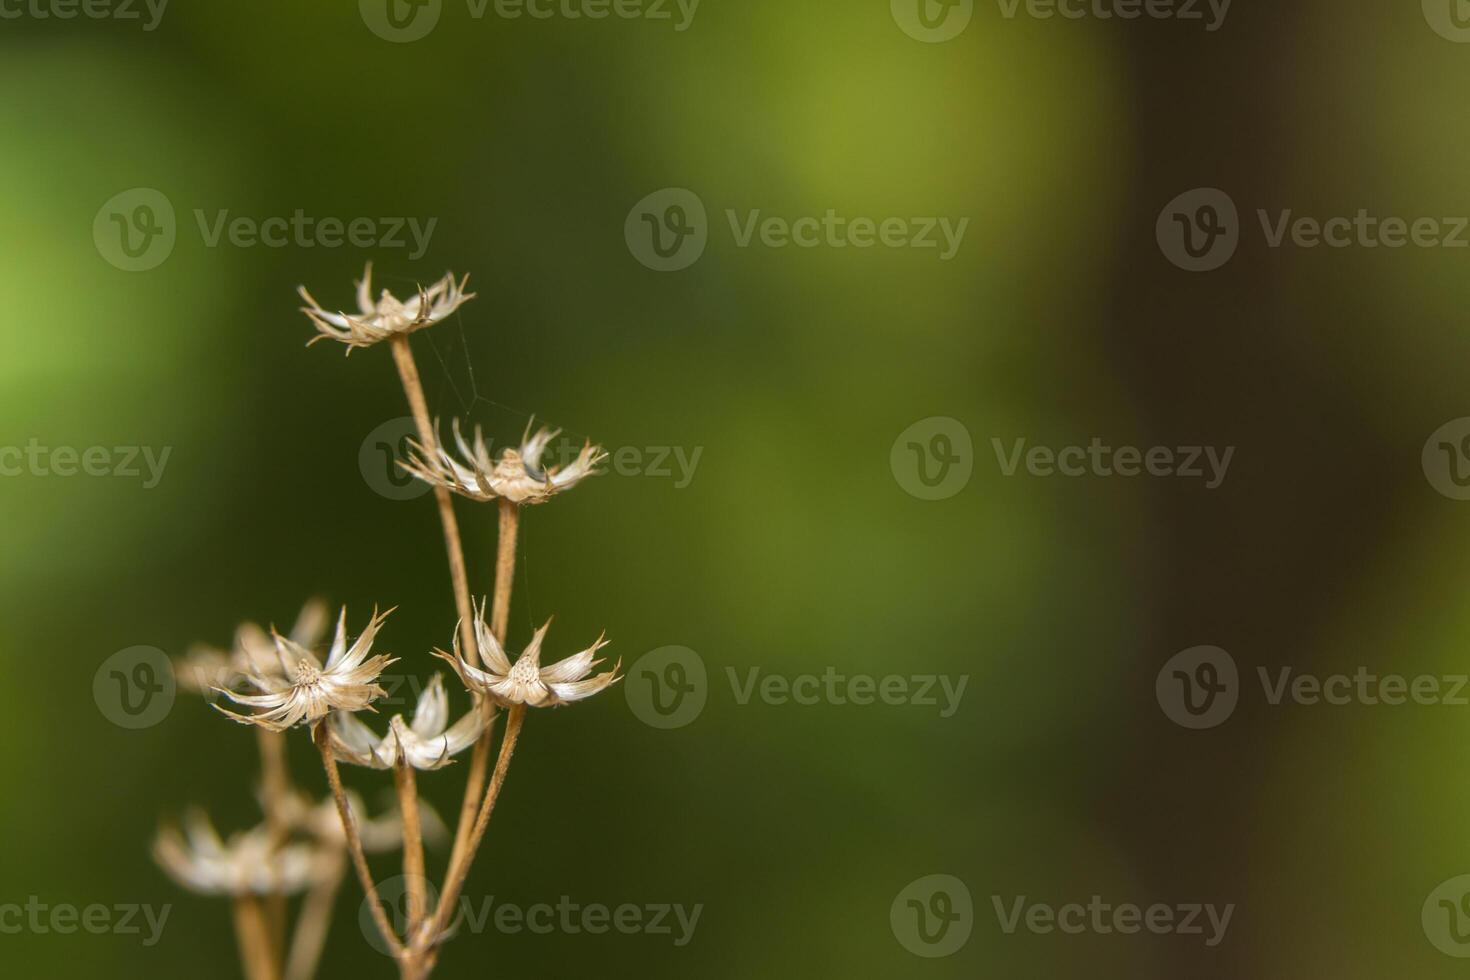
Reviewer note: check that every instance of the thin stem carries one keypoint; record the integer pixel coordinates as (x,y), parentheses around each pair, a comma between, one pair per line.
(313,925)
(275,787)
(354,840)
(505,570)
(413,387)
(413,845)
(253,936)
(454,881)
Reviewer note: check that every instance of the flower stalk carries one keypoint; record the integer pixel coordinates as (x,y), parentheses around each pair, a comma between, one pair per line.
(304,847)
(354,842)
(413,389)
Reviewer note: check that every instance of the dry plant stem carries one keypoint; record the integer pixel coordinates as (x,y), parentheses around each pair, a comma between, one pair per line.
(413,388)
(354,841)
(314,924)
(413,846)
(253,936)
(275,785)
(505,570)
(457,873)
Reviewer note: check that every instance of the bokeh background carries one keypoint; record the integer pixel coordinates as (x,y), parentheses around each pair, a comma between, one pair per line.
(795,546)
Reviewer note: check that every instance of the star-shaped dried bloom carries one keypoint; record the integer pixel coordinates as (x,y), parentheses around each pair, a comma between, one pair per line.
(205,669)
(387,316)
(250,863)
(528,682)
(518,475)
(429,742)
(306,691)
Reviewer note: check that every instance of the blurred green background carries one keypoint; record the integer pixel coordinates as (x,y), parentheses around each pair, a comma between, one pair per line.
(794,547)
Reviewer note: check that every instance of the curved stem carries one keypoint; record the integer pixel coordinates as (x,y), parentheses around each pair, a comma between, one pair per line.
(505,571)
(275,787)
(413,845)
(354,840)
(253,935)
(413,388)
(505,568)
(454,881)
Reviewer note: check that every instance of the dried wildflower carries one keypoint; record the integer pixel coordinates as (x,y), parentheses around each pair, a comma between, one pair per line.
(518,476)
(388,316)
(205,669)
(250,863)
(305,691)
(528,682)
(428,743)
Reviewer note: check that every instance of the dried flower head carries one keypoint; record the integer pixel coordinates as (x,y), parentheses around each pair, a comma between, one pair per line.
(518,476)
(429,742)
(528,682)
(205,669)
(250,863)
(305,691)
(387,316)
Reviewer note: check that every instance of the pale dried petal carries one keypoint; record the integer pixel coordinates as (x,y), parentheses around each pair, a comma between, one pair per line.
(346,683)
(388,316)
(518,476)
(527,682)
